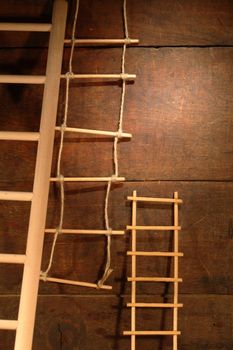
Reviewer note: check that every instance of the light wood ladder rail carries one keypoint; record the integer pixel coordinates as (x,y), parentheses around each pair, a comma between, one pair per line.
(31,260)
(175,254)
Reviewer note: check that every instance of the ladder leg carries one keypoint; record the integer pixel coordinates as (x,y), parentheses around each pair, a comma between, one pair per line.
(176,249)
(28,299)
(133,290)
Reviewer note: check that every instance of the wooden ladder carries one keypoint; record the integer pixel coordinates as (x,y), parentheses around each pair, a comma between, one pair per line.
(24,325)
(134,278)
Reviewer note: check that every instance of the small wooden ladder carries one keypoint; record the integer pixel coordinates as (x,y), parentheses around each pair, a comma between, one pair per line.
(134,278)
(39,196)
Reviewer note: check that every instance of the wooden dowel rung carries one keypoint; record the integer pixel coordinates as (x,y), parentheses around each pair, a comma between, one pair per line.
(156,200)
(22,79)
(8,325)
(154,228)
(151,333)
(94,132)
(102,41)
(86,232)
(25,27)
(159,305)
(168,254)
(154,279)
(19,136)
(123,76)
(12,258)
(74,283)
(88,179)
(15,196)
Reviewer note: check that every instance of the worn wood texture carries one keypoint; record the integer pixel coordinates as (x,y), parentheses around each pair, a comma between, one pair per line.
(179,111)
(205,239)
(84,322)
(155,23)
(183,123)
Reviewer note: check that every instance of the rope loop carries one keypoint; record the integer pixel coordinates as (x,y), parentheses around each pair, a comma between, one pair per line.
(119,134)
(60,178)
(69,75)
(43,276)
(123,76)
(114,178)
(63,126)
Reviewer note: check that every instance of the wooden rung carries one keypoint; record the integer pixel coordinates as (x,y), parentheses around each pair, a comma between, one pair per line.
(95,132)
(12,258)
(74,283)
(8,325)
(19,136)
(163,305)
(154,254)
(154,279)
(156,200)
(88,179)
(123,76)
(154,228)
(15,196)
(151,333)
(25,27)
(96,42)
(86,232)
(22,79)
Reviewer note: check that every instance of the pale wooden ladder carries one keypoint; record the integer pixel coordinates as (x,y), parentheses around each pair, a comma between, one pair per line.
(39,196)
(134,278)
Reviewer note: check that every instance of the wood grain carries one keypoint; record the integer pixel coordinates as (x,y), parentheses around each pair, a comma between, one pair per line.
(183,123)
(155,23)
(77,322)
(205,238)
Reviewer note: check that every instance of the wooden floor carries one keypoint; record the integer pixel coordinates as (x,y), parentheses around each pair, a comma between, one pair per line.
(179,111)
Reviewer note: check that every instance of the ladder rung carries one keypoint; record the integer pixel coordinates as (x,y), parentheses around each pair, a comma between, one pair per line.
(8,324)
(123,76)
(26,27)
(22,79)
(19,136)
(154,254)
(15,196)
(154,279)
(95,132)
(163,305)
(74,283)
(102,41)
(154,228)
(12,258)
(156,200)
(151,333)
(86,232)
(87,179)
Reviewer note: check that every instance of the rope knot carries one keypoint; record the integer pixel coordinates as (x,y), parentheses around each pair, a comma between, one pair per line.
(60,178)
(69,75)
(43,276)
(63,127)
(127,40)
(114,178)
(119,134)
(123,76)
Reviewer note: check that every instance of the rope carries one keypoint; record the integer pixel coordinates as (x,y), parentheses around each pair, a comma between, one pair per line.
(69,74)
(108,270)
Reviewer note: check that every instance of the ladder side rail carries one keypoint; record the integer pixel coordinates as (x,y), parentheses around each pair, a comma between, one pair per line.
(133,285)
(30,283)
(176,266)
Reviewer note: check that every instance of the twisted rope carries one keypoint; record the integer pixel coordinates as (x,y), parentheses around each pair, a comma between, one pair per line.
(44,274)
(108,270)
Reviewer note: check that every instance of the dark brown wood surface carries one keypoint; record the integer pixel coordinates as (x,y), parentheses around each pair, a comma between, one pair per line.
(155,23)
(179,111)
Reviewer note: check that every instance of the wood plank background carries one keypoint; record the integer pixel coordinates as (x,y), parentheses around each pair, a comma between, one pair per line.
(179,111)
